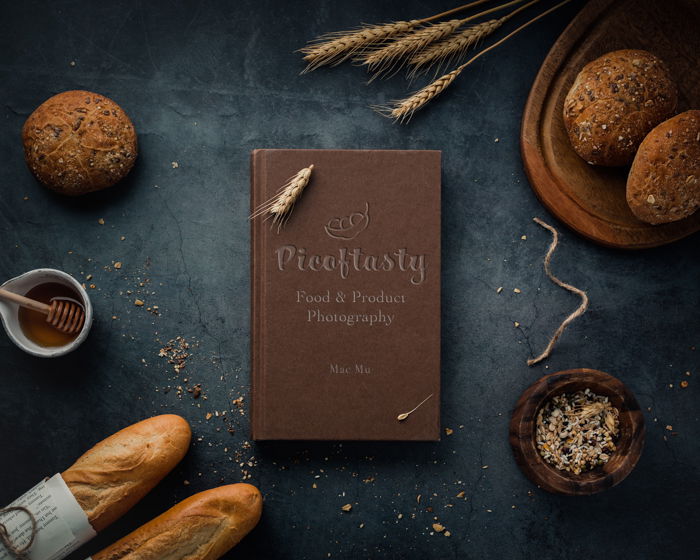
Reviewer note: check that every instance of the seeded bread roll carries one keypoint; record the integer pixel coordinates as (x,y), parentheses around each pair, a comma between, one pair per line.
(614,102)
(114,475)
(78,141)
(202,527)
(664,182)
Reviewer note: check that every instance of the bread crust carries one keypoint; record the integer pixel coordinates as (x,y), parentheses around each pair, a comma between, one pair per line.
(614,102)
(202,527)
(109,479)
(78,142)
(664,182)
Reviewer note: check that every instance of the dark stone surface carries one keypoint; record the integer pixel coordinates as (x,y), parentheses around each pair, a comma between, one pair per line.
(207,82)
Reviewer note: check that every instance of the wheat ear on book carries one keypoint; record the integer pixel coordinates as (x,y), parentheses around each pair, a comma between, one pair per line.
(279,208)
(403,109)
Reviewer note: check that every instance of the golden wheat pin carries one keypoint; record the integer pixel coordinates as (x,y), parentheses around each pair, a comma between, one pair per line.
(279,208)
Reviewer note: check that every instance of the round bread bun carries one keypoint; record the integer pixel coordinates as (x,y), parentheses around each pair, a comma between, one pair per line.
(664,181)
(614,102)
(78,142)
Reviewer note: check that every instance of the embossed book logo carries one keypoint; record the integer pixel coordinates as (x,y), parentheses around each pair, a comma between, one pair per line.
(348,227)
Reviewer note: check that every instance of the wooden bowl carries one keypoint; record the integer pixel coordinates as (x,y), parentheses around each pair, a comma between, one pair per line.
(629,443)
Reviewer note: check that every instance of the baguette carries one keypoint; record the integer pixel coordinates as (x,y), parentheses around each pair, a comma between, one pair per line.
(115,474)
(202,527)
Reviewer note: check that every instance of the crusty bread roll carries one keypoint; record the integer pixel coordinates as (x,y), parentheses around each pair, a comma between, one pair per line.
(202,527)
(664,181)
(614,102)
(78,141)
(116,473)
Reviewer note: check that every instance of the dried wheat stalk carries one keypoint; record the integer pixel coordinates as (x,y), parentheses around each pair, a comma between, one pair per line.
(279,207)
(403,109)
(379,60)
(384,58)
(454,47)
(334,48)
(337,47)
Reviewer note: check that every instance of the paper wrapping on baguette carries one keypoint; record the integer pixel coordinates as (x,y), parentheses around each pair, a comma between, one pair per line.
(202,527)
(116,473)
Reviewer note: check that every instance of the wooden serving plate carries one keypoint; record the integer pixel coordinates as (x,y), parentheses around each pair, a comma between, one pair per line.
(629,444)
(589,199)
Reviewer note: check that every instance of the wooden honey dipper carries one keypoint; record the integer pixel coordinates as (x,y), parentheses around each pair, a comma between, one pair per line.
(63,314)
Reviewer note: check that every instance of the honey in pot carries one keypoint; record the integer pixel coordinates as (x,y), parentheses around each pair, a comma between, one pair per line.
(34,324)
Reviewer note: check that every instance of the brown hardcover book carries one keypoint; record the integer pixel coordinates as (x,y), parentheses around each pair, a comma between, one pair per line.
(346,297)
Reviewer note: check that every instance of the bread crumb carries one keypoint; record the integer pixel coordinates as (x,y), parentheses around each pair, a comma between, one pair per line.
(651,199)
(499,289)
(684,384)
(438,528)
(523,237)
(347,507)
(447,534)
(101,221)
(449,431)
(118,265)
(516,324)
(669,428)
(516,290)
(175,164)
(138,303)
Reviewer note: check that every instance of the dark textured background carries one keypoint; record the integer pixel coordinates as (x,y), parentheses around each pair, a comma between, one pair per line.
(207,82)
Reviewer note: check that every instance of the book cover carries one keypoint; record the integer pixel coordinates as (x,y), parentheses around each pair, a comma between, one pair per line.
(345,309)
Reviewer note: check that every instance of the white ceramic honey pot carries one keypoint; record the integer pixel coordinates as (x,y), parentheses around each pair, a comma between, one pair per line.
(10,316)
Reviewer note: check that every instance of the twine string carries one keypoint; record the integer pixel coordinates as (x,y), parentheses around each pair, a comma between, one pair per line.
(18,552)
(580,310)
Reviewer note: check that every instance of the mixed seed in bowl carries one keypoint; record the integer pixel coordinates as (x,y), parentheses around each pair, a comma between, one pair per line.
(577,432)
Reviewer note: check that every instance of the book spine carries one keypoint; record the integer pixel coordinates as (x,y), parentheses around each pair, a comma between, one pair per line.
(254,298)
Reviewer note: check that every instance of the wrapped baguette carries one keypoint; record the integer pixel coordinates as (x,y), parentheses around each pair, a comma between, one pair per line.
(202,527)
(109,479)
